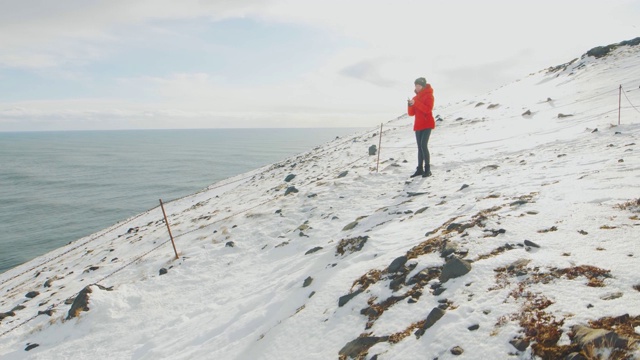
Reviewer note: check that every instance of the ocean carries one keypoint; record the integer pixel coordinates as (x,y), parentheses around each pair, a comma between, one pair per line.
(57,187)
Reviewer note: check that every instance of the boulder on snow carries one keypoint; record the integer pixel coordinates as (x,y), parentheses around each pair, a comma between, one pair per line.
(397,264)
(307,281)
(289,177)
(351,245)
(454,268)
(81,302)
(360,346)
(373,150)
(343,174)
(433,317)
(290,189)
(346,298)
(32,294)
(317,248)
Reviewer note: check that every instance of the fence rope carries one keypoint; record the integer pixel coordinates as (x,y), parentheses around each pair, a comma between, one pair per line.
(625,95)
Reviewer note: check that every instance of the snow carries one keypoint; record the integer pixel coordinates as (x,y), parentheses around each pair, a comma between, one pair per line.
(248,301)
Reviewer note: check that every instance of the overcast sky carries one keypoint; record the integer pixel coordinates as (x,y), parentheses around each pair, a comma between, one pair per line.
(122,64)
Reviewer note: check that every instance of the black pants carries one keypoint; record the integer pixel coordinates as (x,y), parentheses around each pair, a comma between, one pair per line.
(422,138)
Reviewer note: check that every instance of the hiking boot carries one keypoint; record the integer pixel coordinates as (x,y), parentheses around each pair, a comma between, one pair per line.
(418,172)
(426,174)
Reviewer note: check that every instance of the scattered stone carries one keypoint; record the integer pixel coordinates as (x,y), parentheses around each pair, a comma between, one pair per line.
(230,244)
(489,168)
(307,281)
(373,150)
(582,232)
(561,115)
(354,348)
(91,268)
(6,315)
(479,104)
(474,327)
(527,113)
(594,130)
(279,211)
(613,296)
(31,346)
(620,160)
(448,249)
(531,244)
(520,344)
(163,271)
(346,298)
(50,281)
(420,211)
(317,248)
(48,312)
(18,308)
(289,177)
(457,350)
(343,174)
(350,226)
(439,291)
(311,295)
(32,294)
(290,189)
(351,245)
(433,317)
(464,186)
(493,106)
(312,195)
(397,264)
(411,194)
(81,303)
(454,268)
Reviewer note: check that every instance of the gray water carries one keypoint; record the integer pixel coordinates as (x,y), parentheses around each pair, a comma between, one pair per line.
(57,187)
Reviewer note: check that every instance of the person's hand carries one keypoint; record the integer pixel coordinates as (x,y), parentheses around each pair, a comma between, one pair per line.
(410,102)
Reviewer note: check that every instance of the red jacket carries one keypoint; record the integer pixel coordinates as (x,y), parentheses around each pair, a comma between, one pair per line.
(422,108)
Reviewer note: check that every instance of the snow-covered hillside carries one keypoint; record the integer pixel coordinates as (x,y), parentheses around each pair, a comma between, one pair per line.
(528,229)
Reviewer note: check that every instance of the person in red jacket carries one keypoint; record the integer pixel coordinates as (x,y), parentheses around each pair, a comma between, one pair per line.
(421,106)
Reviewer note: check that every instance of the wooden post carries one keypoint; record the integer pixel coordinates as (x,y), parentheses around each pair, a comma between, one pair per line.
(379,144)
(619,103)
(166,221)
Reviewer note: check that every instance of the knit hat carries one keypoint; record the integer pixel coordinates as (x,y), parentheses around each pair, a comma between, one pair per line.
(421,81)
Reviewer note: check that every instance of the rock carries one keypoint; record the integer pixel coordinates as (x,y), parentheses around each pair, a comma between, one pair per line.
(612,296)
(307,281)
(373,150)
(81,302)
(531,244)
(50,281)
(448,249)
(48,312)
(420,211)
(473,327)
(346,298)
(464,186)
(31,346)
(520,344)
(454,268)
(397,264)
(311,295)
(594,130)
(163,271)
(351,245)
(457,350)
(360,346)
(350,226)
(489,168)
(561,115)
(32,294)
(230,244)
(290,189)
(433,317)
(343,174)
(289,177)
(6,315)
(527,113)
(317,248)
(586,336)
(439,291)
